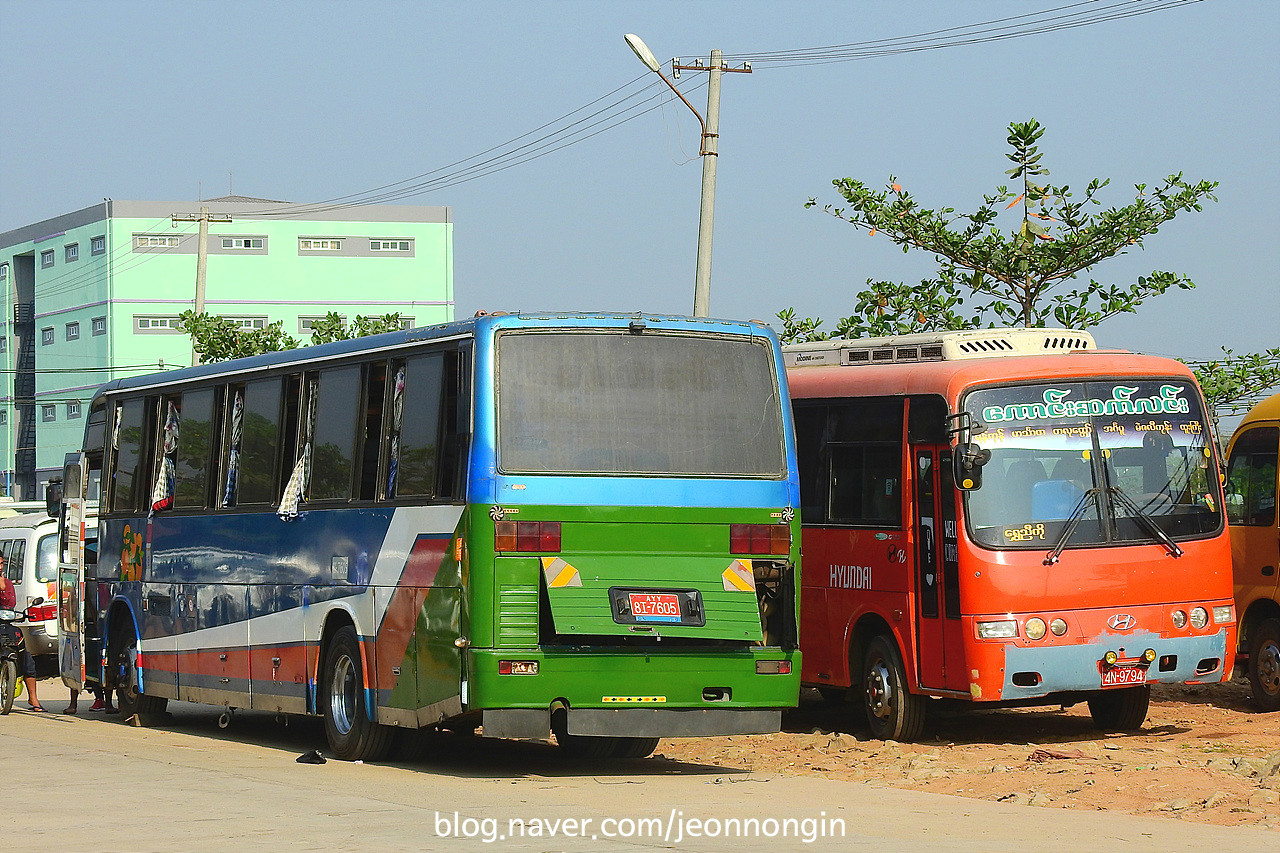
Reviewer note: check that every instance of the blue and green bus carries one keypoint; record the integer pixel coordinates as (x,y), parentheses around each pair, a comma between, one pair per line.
(576,524)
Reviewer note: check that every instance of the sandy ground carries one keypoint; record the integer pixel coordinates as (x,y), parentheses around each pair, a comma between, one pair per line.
(1204,755)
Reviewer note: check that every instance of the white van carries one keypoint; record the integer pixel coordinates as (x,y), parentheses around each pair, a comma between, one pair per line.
(29,546)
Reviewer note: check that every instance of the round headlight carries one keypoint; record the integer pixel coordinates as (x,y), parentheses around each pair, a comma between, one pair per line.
(1199,618)
(1179,618)
(1035,628)
(1149,655)
(1058,627)
(1111,658)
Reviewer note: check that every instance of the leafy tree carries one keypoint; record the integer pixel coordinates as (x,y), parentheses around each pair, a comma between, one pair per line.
(1017,278)
(331,327)
(1233,383)
(216,338)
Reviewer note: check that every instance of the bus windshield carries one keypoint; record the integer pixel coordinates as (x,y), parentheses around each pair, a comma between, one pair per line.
(1107,451)
(656,403)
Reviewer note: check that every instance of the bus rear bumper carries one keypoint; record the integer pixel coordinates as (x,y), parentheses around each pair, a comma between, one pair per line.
(633,722)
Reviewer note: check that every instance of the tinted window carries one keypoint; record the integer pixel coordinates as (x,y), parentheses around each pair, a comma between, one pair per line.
(337,415)
(850,459)
(416,425)
(195,441)
(1251,478)
(128,480)
(260,442)
(47,558)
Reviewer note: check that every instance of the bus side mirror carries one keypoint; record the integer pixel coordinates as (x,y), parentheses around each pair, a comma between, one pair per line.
(53,498)
(967,464)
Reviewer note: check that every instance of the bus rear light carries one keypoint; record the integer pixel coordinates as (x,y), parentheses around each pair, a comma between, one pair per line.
(772,539)
(42,612)
(526,536)
(773,667)
(1002,630)
(517,667)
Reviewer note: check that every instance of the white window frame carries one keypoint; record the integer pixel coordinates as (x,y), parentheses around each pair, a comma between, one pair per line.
(73,411)
(99,325)
(46,258)
(48,412)
(320,244)
(253,322)
(73,331)
(306,322)
(46,336)
(157,324)
(98,245)
(4,272)
(155,241)
(4,416)
(242,243)
(71,252)
(397,244)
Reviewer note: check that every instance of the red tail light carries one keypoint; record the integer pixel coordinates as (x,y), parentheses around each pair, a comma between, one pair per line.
(526,536)
(773,539)
(42,613)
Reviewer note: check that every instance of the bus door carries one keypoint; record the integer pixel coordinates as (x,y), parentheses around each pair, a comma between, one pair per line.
(939,631)
(71,533)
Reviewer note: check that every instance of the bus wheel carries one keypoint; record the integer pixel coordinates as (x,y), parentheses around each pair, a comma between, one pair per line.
(133,703)
(1264,665)
(8,684)
(893,712)
(1122,710)
(584,746)
(634,747)
(352,735)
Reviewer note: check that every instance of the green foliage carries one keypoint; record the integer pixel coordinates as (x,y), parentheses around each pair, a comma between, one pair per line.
(1022,277)
(1233,383)
(216,338)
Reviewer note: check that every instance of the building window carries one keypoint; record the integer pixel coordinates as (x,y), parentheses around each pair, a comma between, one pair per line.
(390,245)
(4,343)
(46,259)
(71,252)
(48,412)
(155,241)
(73,410)
(312,244)
(4,272)
(307,323)
(243,242)
(46,336)
(248,322)
(150,324)
(99,325)
(406,322)
(4,416)
(98,244)
(73,331)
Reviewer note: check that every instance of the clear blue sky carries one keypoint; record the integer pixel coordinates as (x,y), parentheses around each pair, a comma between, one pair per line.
(310,101)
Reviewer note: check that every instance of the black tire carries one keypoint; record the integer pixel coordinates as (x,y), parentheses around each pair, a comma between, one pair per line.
(634,747)
(8,684)
(1123,710)
(352,735)
(893,712)
(148,709)
(593,747)
(1264,665)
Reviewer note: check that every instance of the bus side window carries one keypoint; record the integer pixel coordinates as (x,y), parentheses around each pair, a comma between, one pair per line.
(333,448)
(416,426)
(865,441)
(814,464)
(456,429)
(1251,478)
(130,431)
(195,443)
(375,401)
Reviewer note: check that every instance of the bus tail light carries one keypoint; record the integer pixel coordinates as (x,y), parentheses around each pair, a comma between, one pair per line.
(42,612)
(526,536)
(772,539)
(517,667)
(773,667)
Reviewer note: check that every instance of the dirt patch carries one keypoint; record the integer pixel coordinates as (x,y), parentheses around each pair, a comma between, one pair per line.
(1203,755)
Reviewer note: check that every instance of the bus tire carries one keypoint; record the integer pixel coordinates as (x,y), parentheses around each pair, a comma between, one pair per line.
(593,747)
(1123,710)
(133,703)
(1264,665)
(634,747)
(352,735)
(8,684)
(893,712)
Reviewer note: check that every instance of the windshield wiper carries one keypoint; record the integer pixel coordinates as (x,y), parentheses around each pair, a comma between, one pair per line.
(1073,521)
(1145,521)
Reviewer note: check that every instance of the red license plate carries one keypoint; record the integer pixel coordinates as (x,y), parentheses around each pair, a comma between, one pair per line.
(655,606)
(1124,675)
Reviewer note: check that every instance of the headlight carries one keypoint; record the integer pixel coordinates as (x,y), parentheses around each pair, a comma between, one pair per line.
(1222,615)
(997,630)
(1035,628)
(1199,618)
(1179,618)
(1058,627)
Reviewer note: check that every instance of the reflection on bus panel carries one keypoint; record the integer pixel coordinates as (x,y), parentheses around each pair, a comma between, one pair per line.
(1006,517)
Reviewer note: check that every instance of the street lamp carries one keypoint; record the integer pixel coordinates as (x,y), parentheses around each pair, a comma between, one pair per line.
(710,138)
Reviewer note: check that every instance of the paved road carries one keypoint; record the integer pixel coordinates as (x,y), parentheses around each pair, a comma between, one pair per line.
(102,786)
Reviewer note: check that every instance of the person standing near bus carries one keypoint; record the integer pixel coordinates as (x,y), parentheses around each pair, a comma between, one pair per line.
(9,599)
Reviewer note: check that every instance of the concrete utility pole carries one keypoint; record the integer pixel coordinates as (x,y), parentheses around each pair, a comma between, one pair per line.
(204,217)
(709,151)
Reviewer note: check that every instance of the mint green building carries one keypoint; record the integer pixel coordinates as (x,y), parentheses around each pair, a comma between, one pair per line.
(95,294)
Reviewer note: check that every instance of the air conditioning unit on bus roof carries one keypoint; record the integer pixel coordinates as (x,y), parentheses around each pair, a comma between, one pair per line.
(938,346)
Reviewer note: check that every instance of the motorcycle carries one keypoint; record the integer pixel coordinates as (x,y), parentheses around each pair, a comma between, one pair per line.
(12,646)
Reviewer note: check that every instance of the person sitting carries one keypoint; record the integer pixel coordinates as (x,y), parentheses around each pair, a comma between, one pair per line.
(9,599)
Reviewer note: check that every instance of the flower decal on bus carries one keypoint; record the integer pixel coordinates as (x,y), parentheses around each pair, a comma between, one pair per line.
(131,556)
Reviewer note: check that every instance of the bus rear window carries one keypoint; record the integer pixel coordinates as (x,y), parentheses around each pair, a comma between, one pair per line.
(605,402)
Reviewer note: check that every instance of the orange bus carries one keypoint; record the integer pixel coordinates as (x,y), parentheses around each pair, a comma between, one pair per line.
(1008,517)
(1255,547)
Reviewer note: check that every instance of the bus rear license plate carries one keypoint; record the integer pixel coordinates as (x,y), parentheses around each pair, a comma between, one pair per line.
(1124,675)
(655,606)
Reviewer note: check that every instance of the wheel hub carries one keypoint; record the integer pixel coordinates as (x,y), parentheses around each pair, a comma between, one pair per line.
(879,690)
(342,694)
(1269,668)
